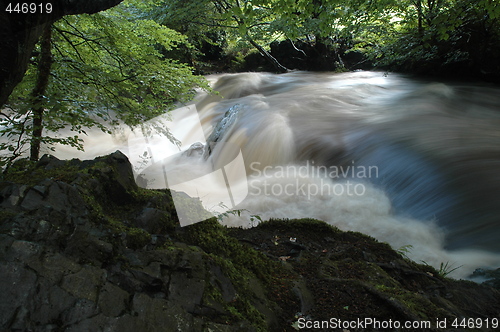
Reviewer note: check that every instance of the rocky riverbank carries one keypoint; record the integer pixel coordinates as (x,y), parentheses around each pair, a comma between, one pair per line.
(82,248)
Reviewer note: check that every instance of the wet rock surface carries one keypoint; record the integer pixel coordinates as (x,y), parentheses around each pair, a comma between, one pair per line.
(82,248)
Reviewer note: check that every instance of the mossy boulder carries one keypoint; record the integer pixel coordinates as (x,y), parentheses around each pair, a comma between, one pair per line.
(349,275)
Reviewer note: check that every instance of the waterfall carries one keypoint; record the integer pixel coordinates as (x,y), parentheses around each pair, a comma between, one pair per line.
(407,161)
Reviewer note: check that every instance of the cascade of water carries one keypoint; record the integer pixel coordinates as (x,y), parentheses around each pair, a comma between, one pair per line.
(409,162)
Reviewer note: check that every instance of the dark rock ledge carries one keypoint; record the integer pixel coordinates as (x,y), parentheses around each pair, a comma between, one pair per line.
(82,248)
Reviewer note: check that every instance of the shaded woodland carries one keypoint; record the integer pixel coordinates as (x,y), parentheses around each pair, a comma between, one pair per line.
(81,64)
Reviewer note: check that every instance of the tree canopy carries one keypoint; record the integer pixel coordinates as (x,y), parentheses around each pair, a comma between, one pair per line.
(97,70)
(411,35)
(134,61)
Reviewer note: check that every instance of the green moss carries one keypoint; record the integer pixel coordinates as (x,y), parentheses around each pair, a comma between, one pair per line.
(160,199)
(238,262)
(92,203)
(26,172)
(214,238)
(241,308)
(360,270)
(142,194)
(308,224)
(304,224)
(414,302)
(236,310)
(137,238)
(211,295)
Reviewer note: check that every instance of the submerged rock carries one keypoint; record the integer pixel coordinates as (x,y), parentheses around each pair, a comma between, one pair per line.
(221,129)
(82,248)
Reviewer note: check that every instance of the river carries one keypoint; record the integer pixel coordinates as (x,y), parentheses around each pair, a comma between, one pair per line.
(411,162)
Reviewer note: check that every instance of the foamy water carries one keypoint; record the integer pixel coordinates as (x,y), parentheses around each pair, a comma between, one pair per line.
(407,162)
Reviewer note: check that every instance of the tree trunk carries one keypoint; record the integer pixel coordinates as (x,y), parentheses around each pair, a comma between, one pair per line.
(20,32)
(420,17)
(268,56)
(42,82)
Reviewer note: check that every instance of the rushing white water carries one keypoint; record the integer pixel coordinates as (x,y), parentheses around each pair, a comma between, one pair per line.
(407,162)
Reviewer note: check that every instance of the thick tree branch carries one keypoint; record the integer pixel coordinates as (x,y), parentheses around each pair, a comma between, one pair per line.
(38,93)
(20,32)
(267,56)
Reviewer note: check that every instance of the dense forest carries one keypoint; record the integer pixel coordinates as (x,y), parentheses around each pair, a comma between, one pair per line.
(130,63)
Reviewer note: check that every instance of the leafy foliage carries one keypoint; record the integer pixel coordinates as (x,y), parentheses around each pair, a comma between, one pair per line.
(107,67)
(408,35)
(441,36)
(117,65)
